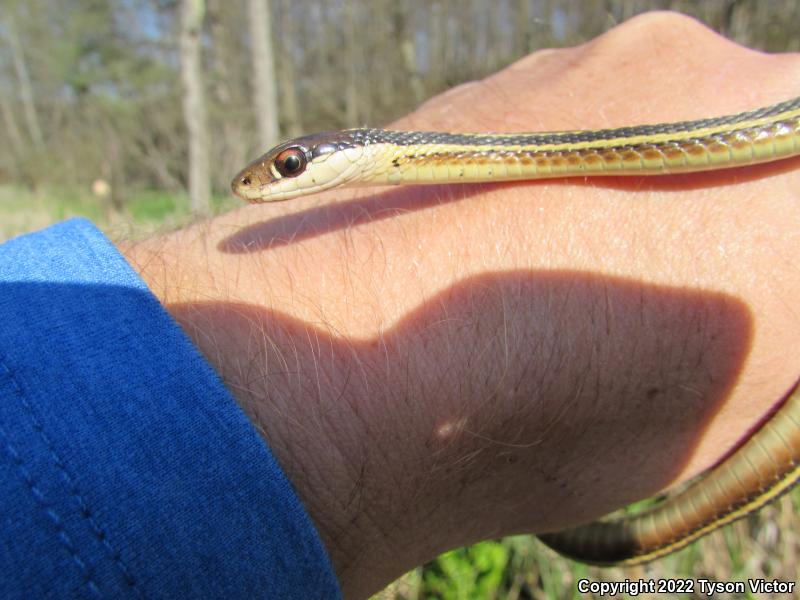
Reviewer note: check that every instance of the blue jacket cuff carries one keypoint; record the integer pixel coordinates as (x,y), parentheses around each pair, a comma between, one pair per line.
(127,469)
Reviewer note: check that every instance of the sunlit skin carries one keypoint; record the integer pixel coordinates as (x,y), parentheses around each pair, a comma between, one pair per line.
(768,461)
(436,365)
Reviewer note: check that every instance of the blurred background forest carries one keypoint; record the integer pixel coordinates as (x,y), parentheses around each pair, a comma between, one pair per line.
(177,95)
(139,112)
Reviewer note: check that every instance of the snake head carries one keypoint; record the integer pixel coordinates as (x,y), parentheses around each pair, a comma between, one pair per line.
(298,167)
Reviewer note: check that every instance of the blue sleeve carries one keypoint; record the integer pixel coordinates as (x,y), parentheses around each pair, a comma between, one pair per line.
(126,468)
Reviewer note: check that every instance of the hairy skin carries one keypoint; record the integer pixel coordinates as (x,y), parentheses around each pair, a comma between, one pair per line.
(436,366)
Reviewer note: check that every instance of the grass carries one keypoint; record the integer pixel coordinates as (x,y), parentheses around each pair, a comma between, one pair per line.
(764,545)
(22,211)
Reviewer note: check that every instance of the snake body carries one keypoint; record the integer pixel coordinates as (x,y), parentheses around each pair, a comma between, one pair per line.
(768,463)
(376,156)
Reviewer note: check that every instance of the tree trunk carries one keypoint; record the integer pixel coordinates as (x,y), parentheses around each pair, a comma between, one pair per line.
(231,98)
(404,35)
(14,134)
(194,108)
(352,96)
(522,30)
(25,87)
(266,97)
(289,73)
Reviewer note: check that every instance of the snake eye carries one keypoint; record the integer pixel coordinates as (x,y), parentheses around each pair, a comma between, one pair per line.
(291,162)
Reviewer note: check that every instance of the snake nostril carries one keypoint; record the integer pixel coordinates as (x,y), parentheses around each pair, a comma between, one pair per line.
(246,181)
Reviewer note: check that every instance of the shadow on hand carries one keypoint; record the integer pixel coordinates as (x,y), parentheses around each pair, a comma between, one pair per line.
(553,397)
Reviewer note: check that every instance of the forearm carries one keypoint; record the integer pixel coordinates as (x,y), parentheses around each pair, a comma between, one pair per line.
(422,356)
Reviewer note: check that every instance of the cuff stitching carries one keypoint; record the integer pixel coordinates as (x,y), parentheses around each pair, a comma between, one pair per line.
(63,536)
(72,488)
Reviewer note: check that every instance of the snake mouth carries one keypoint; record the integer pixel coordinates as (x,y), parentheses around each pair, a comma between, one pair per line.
(256,191)
(244,192)
(250,183)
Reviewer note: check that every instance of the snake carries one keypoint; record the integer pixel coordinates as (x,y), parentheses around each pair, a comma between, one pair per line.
(766,464)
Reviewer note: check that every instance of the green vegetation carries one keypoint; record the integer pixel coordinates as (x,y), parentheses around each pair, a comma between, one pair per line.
(764,545)
(22,211)
(474,572)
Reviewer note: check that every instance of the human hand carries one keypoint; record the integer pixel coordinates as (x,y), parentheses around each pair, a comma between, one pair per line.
(434,366)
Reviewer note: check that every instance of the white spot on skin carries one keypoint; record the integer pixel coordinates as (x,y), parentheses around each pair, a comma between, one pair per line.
(450,429)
